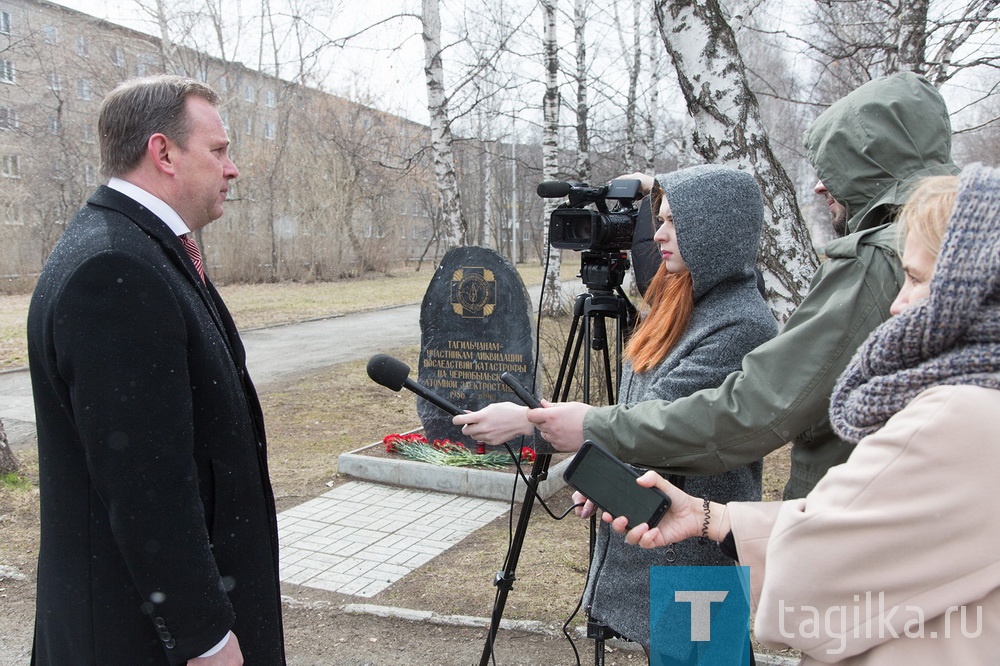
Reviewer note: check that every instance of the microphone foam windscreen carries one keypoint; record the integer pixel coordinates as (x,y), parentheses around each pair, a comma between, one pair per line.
(553,189)
(388,371)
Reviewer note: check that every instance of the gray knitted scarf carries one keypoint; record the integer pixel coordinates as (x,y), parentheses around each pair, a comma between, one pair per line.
(951,337)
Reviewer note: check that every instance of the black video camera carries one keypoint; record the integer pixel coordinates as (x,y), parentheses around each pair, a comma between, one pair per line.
(575,226)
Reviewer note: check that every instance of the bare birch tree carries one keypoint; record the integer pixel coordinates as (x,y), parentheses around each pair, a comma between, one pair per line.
(582,85)
(455,227)
(728,130)
(552,304)
(634,52)
(863,40)
(653,101)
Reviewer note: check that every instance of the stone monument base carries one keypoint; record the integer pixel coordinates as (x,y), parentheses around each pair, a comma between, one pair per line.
(468,481)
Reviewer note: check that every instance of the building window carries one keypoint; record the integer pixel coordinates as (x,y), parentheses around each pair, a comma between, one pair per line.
(223,85)
(83,46)
(84,90)
(225,119)
(7,71)
(8,118)
(54,81)
(51,34)
(89,134)
(201,74)
(5,23)
(12,214)
(270,99)
(55,125)
(145,65)
(269,130)
(89,175)
(11,166)
(117,56)
(248,126)
(248,93)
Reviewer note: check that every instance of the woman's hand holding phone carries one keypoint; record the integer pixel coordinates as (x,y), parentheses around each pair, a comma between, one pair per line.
(684,519)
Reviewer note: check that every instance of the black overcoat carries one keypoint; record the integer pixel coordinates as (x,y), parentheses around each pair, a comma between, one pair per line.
(158,527)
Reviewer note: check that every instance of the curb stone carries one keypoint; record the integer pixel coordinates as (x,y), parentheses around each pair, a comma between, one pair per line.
(530,626)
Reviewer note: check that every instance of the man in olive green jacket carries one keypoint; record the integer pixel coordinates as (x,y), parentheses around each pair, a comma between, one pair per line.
(868,149)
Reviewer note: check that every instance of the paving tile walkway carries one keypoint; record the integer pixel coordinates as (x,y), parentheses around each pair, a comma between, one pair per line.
(359,538)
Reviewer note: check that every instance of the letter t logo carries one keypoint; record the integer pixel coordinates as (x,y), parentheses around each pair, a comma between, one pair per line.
(701,610)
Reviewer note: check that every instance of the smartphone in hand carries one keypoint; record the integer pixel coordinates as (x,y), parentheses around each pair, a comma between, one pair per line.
(610,484)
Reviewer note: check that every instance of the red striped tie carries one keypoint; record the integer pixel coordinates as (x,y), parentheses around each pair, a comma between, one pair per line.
(192,249)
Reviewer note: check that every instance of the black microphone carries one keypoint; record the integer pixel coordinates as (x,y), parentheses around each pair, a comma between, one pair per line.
(553,189)
(394,374)
(577,192)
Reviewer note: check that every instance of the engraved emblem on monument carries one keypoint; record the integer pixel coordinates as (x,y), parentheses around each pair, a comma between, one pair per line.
(473,292)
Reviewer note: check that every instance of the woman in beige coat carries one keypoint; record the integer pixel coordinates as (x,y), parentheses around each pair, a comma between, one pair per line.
(894,557)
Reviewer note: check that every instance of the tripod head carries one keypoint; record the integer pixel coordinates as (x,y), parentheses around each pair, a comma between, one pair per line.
(603,272)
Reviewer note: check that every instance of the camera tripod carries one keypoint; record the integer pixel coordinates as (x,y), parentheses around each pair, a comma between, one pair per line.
(604,299)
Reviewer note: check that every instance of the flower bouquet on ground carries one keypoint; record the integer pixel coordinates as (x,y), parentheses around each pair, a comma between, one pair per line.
(446,452)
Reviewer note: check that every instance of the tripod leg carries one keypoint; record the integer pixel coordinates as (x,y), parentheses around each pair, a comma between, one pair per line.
(574,344)
(590,313)
(504,580)
(597,314)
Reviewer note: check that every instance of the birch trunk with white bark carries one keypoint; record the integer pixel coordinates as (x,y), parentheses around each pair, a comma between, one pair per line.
(631,101)
(582,102)
(727,129)
(653,110)
(552,304)
(455,230)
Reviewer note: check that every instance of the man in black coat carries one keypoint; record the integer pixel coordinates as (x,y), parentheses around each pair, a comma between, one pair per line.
(159,542)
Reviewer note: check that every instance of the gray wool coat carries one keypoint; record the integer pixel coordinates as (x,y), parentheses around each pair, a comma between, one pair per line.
(718,215)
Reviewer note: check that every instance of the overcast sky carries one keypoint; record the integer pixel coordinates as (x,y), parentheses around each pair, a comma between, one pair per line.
(384,68)
(386,65)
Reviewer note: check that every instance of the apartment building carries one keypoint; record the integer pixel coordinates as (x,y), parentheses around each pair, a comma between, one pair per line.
(327,187)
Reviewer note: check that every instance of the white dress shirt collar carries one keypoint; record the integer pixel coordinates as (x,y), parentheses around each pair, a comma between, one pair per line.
(157,206)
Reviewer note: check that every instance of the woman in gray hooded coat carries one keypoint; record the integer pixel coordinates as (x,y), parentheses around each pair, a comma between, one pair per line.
(703,313)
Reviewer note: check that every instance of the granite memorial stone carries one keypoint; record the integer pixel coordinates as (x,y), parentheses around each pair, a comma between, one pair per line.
(475,324)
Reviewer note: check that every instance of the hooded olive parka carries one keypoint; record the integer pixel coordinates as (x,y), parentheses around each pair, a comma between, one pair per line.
(868,149)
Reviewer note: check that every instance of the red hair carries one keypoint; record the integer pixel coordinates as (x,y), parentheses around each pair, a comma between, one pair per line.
(670,298)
